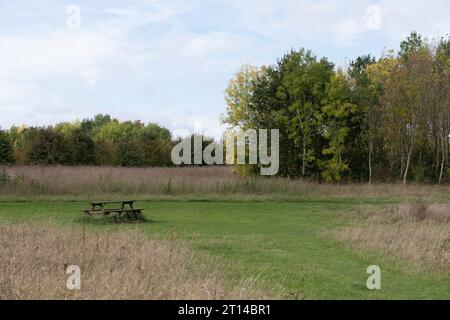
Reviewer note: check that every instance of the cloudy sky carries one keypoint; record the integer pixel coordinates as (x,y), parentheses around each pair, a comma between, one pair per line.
(169,61)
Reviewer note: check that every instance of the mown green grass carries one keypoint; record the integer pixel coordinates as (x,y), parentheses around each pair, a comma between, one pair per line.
(284,244)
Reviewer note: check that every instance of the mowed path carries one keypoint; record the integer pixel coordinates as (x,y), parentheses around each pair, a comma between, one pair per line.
(284,244)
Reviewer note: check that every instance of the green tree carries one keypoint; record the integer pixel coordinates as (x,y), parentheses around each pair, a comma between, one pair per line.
(304,80)
(155,144)
(83,147)
(6,150)
(238,96)
(49,147)
(337,114)
(365,135)
(288,96)
(413,43)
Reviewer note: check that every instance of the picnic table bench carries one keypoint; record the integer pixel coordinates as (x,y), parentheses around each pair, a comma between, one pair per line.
(126,207)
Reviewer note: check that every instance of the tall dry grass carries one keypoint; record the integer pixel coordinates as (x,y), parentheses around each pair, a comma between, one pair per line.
(120,265)
(27,182)
(418,232)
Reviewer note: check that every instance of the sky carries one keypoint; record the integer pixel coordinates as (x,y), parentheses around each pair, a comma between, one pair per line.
(169,61)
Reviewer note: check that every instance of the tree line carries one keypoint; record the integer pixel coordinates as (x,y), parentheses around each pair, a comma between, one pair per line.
(98,141)
(385,119)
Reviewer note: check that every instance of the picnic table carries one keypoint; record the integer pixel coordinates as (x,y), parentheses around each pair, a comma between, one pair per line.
(103,208)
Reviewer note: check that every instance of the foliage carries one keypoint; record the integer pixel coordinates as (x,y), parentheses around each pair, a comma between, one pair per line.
(390,115)
(98,141)
(6,150)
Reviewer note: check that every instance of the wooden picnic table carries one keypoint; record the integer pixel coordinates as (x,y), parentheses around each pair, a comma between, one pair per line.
(100,208)
(101,205)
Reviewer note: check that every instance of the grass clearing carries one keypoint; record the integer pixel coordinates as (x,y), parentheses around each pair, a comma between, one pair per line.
(282,244)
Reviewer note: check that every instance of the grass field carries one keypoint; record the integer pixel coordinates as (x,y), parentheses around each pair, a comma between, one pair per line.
(288,247)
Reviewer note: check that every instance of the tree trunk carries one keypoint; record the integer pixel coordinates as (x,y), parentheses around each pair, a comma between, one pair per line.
(304,156)
(442,168)
(443,160)
(401,165)
(408,161)
(370,162)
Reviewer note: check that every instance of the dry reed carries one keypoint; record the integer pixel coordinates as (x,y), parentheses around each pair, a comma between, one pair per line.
(119,265)
(26,182)
(418,232)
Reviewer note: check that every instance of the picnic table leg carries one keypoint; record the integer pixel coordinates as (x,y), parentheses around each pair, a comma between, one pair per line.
(130,204)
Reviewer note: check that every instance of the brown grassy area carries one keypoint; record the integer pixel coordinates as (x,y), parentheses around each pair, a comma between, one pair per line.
(418,232)
(28,182)
(123,265)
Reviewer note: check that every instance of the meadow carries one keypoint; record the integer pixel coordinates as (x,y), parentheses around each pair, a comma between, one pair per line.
(217,235)
(187,183)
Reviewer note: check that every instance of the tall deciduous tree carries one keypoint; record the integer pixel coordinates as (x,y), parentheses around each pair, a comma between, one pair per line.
(6,150)
(337,113)
(238,95)
(387,118)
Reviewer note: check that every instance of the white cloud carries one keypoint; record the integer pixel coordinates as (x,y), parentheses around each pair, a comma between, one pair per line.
(41,68)
(177,51)
(344,21)
(38,73)
(197,123)
(60,54)
(394,20)
(204,45)
(431,19)
(350,29)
